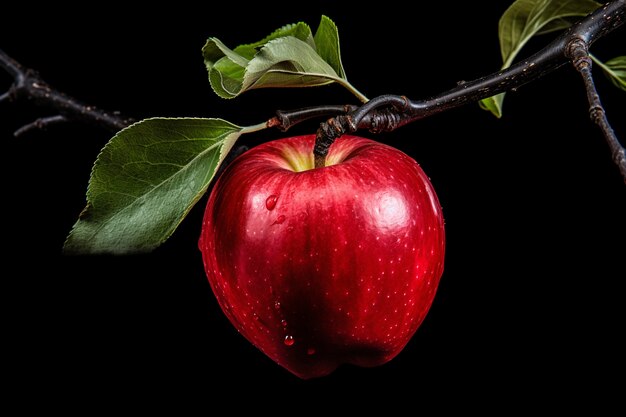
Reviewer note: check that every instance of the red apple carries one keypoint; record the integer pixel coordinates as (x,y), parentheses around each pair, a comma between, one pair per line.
(319,267)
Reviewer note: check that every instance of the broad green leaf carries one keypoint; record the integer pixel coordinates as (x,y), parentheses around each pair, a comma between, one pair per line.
(298,30)
(287,62)
(615,70)
(289,57)
(527,18)
(327,44)
(226,67)
(145,181)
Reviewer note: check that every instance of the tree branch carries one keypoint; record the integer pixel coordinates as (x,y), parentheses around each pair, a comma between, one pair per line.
(579,54)
(28,85)
(387,113)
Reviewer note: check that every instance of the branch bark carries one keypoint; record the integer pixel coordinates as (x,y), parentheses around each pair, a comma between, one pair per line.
(579,54)
(28,85)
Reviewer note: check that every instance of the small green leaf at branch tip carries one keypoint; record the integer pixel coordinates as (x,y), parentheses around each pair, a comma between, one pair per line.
(146,180)
(527,18)
(290,57)
(493,104)
(615,70)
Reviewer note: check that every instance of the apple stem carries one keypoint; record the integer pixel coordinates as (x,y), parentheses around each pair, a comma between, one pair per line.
(381,114)
(326,135)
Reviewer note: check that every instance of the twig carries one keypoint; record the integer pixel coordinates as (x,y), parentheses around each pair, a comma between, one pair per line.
(579,54)
(40,123)
(285,119)
(28,85)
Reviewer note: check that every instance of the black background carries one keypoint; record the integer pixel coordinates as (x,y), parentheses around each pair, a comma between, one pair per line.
(529,309)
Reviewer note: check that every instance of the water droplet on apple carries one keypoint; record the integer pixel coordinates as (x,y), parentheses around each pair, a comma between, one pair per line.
(280,219)
(283,323)
(289,340)
(270,203)
(310,351)
(277,305)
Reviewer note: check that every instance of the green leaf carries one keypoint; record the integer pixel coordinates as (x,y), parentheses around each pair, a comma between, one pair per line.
(289,57)
(298,30)
(226,66)
(327,44)
(558,24)
(145,181)
(615,70)
(527,18)
(287,62)
(493,104)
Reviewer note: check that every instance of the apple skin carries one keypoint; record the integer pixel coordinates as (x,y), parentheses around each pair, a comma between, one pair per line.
(320,267)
